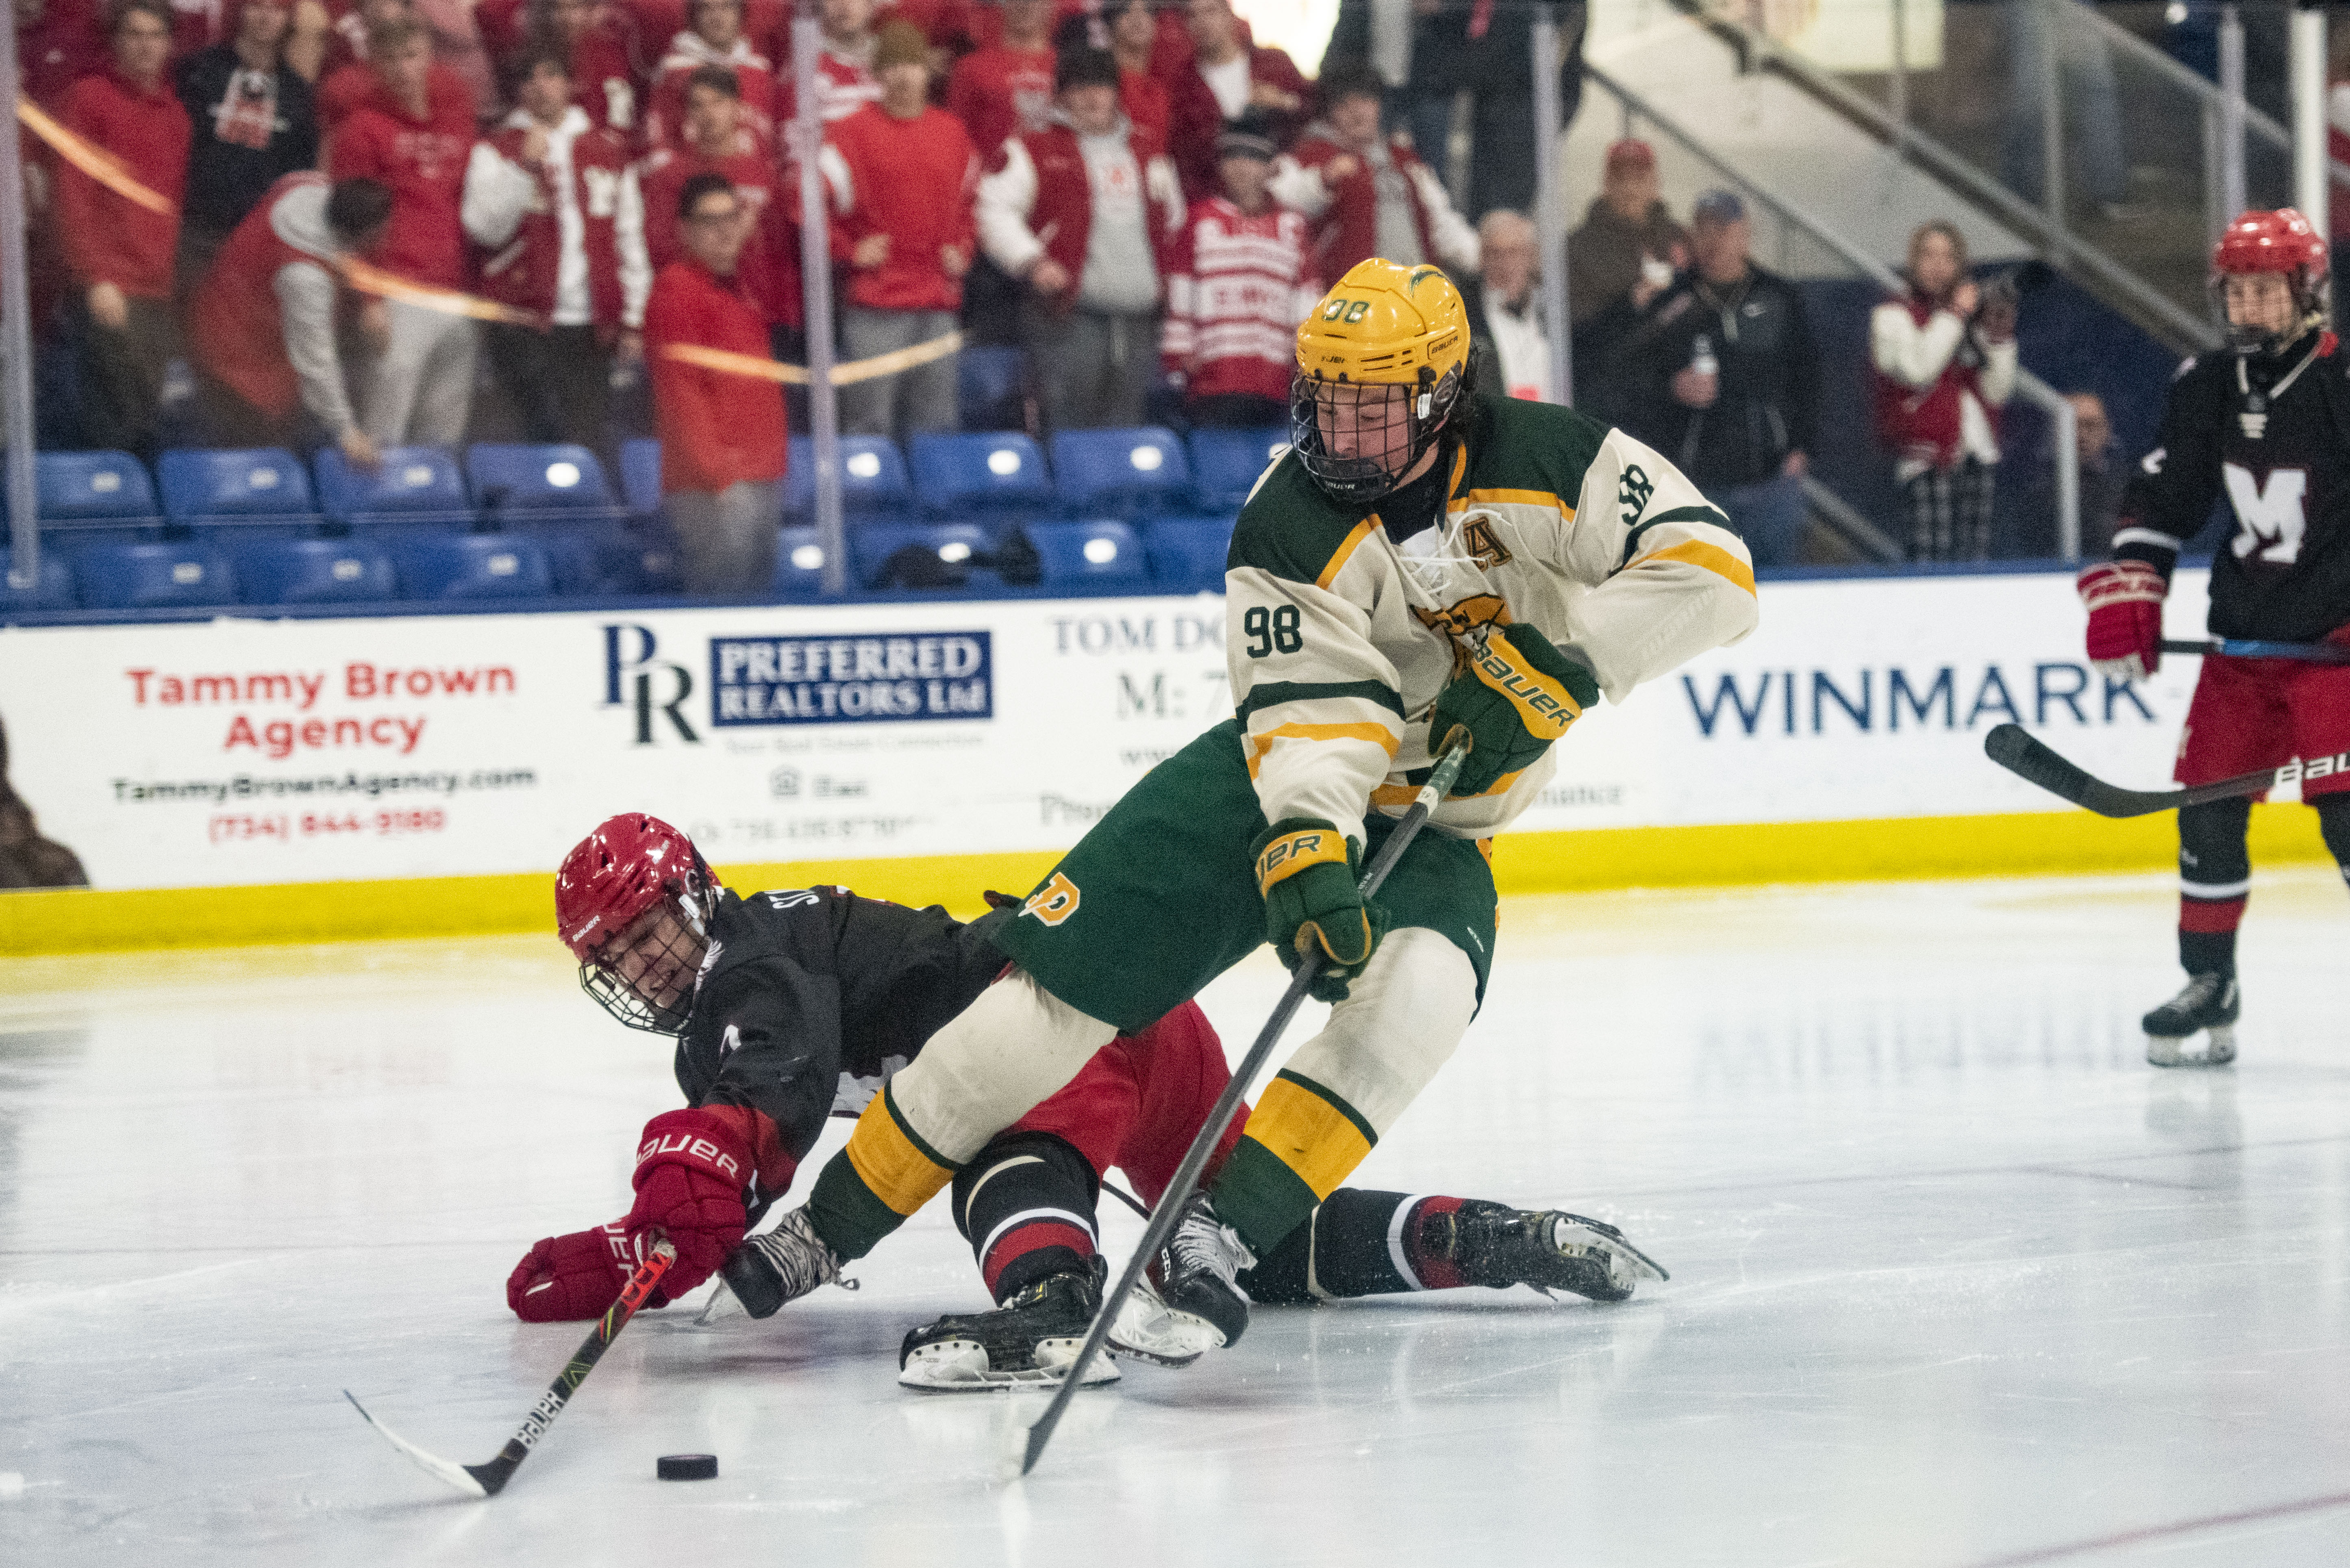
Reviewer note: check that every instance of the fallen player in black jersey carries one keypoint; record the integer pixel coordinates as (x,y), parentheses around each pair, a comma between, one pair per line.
(789,1006)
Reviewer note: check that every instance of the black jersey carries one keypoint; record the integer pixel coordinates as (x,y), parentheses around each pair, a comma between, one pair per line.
(810,999)
(2270,432)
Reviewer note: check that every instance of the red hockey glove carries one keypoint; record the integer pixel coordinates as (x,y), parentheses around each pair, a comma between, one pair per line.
(691,1171)
(575,1278)
(2125,601)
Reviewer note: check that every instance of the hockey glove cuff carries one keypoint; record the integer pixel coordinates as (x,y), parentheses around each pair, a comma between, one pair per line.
(691,1168)
(1306,871)
(575,1278)
(2124,602)
(1516,696)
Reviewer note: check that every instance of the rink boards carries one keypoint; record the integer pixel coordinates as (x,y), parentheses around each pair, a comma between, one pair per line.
(264,780)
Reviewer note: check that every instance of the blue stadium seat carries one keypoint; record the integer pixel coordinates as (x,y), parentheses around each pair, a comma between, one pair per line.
(956,475)
(526,484)
(90,487)
(152,576)
(53,590)
(799,564)
(255,488)
(414,487)
(314,572)
(641,475)
(1225,463)
(871,547)
(1129,472)
(471,566)
(1187,554)
(1086,555)
(991,387)
(872,477)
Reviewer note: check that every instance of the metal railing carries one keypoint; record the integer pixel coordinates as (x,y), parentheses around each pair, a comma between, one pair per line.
(1841,516)
(2042,224)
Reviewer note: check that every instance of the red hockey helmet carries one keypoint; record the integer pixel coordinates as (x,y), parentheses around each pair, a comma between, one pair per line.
(2281,242)
(630,867)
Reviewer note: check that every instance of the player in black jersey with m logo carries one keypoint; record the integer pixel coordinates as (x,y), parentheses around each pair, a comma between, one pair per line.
(2267,425)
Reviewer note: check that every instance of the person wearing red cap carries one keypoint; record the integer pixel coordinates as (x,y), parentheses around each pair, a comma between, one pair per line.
(901,176)
(1623,256)
(119,249)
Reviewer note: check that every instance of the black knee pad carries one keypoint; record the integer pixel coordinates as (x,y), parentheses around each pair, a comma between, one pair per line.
(1017,1171)
(2334,822)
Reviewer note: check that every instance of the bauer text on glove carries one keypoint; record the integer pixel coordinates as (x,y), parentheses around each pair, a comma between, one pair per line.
(1305,869)
(1516,696)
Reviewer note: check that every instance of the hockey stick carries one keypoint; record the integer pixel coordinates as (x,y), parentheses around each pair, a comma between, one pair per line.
(489,1480)
(2020,753)
(1203,1143)
(2247,648)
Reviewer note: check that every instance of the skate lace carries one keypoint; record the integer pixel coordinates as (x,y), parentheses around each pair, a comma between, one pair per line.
(1203,1243)
(800,1259)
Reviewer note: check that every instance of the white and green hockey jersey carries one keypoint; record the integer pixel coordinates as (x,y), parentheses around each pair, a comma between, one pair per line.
(1340,640)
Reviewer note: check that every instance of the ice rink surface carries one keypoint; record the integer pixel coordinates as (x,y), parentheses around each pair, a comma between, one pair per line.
(1958,1281)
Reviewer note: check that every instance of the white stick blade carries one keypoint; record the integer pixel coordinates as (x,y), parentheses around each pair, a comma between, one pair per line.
(456,1475)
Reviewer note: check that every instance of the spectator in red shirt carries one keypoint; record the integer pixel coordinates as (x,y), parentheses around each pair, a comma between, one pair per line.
(351,83)
(599,44)
(1227,76)
(118,252)
(949,25)
(844,79)
(1008,87)
(262,325)
(552,200)
(420,389)
(768,265)
(901,176)
(1240,278)
(1133,29)
(1079,210)
(722,431)
(1368,195)
(716,38)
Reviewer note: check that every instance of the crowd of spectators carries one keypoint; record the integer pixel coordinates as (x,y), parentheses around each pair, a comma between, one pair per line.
(351,222)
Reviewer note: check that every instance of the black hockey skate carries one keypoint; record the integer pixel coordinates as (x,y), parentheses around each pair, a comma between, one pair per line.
(1027,1342)
(1495,1245)
(2209,1005)
(1195,1278)
(775,1267)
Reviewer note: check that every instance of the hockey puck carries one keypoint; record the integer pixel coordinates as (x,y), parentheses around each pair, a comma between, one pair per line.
(687,1466)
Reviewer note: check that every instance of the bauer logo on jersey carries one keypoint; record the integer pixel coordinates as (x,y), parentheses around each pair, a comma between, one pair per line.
(851,680)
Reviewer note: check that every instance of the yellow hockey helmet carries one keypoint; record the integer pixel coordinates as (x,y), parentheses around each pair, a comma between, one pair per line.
(1382,324)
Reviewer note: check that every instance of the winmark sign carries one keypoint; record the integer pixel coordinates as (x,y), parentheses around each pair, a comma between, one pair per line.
(1891,698)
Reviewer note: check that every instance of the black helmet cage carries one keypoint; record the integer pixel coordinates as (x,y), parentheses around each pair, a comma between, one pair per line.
(1362,480)
(695,898)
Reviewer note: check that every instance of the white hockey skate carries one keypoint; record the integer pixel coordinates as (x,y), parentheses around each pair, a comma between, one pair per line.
(2209,1006)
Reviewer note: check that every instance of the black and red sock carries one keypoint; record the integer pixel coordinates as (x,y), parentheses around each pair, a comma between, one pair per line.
(1026,1204)
(2215,876)
(1362,1243)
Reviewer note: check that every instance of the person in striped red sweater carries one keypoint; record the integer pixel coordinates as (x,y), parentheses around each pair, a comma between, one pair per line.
(1239,280)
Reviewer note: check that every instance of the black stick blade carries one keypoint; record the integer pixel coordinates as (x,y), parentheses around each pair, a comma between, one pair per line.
(2013,747)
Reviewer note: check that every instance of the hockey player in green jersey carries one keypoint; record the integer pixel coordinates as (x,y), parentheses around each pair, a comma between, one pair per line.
(1422,562)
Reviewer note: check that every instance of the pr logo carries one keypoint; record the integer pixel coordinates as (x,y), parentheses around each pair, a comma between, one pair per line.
(635,678)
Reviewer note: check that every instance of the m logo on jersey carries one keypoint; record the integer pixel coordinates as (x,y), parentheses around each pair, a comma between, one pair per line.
(2271,516)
